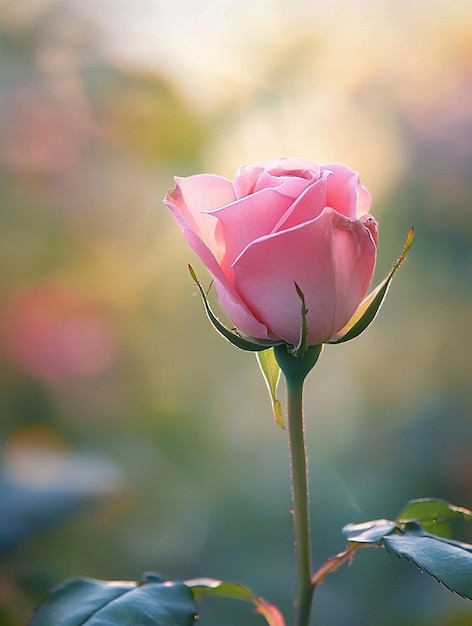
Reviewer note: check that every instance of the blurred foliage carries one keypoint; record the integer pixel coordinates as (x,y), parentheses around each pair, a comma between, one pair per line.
(133,438)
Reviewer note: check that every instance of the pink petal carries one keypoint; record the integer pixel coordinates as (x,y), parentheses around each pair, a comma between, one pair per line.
(230,300)
(205,192)
(234,307)
(371,224)
(248,219)
(307,206)
(293,166)
(239,315)
(346,194)
(192,199)
(245,180)
(265,212)
(332,260)
(251,178)
(286,183)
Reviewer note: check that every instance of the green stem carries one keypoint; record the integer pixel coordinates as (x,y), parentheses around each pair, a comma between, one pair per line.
(301,516)
(295,369)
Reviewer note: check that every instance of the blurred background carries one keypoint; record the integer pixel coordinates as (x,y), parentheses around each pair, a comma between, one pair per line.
(132,437)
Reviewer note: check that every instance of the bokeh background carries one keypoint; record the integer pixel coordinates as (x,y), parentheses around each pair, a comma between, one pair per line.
(132,437)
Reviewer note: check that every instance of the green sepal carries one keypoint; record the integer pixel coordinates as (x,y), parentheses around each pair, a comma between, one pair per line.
(250,345)
(201,587)
(296,368)
(271,372)
(300,349)
(368,309)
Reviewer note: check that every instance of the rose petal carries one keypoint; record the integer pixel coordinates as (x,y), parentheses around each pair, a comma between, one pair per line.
(245,180)
(330,258)
(237,311)
(251,179)
(265,212)
(248,219)
(307,206)
(371,224)
(193,197)
(287,183)
(293,166)
(346,194)
(231,302)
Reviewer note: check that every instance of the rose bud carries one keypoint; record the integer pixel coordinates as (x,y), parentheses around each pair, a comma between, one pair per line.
(278,230)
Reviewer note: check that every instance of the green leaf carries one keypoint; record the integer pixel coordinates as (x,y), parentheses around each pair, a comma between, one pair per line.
(370,306)
(90,602)
(433,514)
(210,587)
(369,532)
(250,345)
(271,372)
(450,562)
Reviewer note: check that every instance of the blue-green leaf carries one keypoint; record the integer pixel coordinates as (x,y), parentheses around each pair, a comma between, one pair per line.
(250,345)
(90,602)
(369,532)
(450,562)
(271,372)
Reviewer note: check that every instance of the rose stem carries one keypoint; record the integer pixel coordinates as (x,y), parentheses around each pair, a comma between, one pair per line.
(295,370)
(300,500)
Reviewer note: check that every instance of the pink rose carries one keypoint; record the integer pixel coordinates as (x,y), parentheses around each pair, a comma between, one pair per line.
(276,225)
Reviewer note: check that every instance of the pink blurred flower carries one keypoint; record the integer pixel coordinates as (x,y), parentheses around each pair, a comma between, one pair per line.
(56,333)
(42,131)
(278,224)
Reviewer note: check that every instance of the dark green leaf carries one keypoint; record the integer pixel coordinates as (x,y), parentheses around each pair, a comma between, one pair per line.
(89,602)
(450,562)
(433,514)
(369,532)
